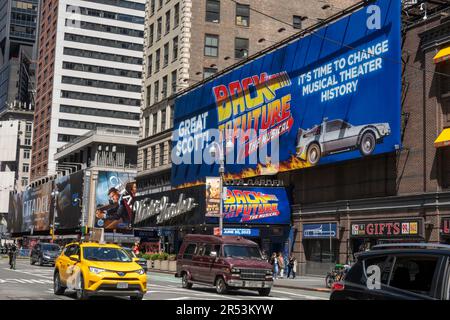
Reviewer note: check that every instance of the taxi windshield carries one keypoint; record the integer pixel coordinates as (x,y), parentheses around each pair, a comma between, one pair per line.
(106,254)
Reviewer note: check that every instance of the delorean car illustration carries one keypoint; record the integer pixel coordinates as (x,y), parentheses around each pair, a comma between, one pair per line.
(336,136)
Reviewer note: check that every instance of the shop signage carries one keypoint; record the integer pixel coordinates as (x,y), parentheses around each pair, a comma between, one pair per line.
(445,226)
(146,234)
(398,228)
(241,232)
(256,205)
(162,208)
(310,102)
(320,230)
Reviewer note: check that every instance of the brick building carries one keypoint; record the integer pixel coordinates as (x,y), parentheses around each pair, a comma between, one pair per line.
(361,199)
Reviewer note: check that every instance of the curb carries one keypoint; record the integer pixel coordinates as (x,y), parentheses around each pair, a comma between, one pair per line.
(275,285)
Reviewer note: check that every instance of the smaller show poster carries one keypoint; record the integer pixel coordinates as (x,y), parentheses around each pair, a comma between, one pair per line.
(212,196)
(115,193)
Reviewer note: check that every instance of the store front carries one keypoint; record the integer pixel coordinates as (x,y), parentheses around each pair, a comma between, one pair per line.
(365,234)
(321,245)
(445,230)
(261,214)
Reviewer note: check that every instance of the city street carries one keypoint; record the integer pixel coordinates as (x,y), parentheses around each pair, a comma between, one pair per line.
(29,282)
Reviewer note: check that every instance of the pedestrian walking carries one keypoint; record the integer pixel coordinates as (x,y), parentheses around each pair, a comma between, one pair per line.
(292,266)
(12,256)
(274,262)
(280,264)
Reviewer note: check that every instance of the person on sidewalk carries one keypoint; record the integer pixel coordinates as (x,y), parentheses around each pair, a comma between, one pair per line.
(281,264)
(274,262)
(292,266)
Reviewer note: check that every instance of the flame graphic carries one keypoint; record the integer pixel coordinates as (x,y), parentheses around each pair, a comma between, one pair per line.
(190,184)
(293,163)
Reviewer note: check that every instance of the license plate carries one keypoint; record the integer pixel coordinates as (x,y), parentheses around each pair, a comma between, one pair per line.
(254,284)
(122,285)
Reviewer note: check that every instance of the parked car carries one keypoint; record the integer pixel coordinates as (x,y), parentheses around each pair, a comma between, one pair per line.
(338,136)
(418,271)
(227,262)
(92,269)
(44,253)
(141,261)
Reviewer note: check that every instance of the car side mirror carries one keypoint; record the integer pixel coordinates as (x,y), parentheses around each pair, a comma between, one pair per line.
(75,257)
(135,259)
(213,254)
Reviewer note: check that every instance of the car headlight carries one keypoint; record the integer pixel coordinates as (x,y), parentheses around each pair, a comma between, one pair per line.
(46,257)
(96,270)
(140,271)
(235,270)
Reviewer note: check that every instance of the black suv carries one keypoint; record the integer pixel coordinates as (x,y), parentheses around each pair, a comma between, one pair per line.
(44,253)
(417,271)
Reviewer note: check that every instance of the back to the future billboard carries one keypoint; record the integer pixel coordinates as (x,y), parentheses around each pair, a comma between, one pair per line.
(330,96)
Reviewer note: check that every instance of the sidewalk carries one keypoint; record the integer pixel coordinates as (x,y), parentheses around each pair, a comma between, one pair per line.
(300,282)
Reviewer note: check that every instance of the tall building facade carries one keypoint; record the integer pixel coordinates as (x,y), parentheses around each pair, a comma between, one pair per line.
(187,41)
(18,30)
(89,72)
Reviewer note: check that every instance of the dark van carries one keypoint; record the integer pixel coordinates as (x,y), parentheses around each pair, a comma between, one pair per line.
(226,262)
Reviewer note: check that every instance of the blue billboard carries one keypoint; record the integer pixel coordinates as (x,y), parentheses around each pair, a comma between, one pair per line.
(256,205)
(329,96)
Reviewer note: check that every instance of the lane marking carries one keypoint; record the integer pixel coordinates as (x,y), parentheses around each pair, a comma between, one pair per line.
(301,295)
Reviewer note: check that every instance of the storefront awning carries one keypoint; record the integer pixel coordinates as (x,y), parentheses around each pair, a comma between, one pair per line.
(443,140)
(442,55)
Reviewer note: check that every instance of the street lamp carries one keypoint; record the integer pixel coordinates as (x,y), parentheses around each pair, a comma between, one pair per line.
(54,194)
(213,150)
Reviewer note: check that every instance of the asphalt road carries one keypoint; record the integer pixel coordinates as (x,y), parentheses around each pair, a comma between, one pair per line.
(29,282)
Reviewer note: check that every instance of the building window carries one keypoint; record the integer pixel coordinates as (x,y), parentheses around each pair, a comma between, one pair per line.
(171,115)
(24,182)
(176,16)
(207,72)
(163,119)
(146,126)
(28,141)
(160,4)
(174,81)
(242,15)
(28,127)
(148,95)
(159,29)
(149,65)
(145,159)
(167,22)
(213,11)
(211,45)
(161,154)
(152,156)
(155,123)
(26,154)
(151,35)
(175,49)
(240,48)
(25,167)
(152,7)
(297,22)
(157,60)
(164,87)
(156,91)
(166,54)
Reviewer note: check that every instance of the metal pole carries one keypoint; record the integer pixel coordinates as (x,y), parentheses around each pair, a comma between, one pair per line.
(221,171)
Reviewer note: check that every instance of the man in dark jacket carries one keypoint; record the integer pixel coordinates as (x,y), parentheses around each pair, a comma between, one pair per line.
(12,252)
(117,212)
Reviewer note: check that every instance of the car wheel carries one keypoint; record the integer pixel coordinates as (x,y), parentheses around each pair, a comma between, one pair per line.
(367,143)
(58,289)
(81,293)
(41,262)
(313,154)
(264,292)
(185,282)
(329,281)
(221,286)
(139,297)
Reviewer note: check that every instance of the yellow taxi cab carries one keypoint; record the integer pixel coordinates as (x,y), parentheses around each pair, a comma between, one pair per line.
(92,269)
